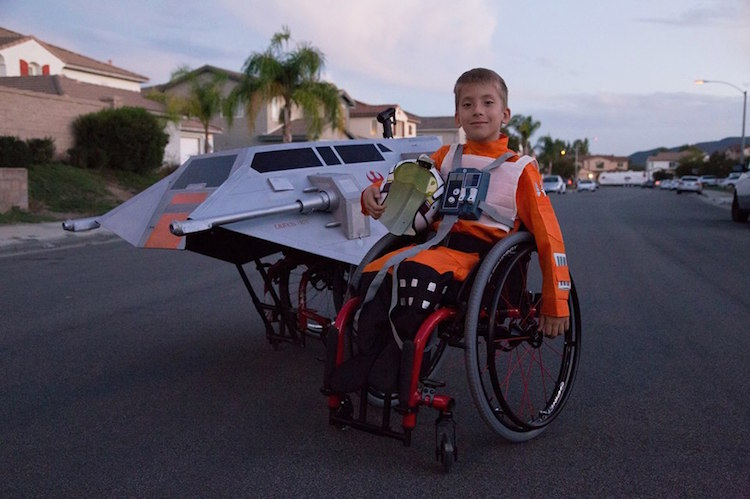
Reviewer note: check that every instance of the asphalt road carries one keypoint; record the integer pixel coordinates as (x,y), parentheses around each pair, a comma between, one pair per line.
(129,372)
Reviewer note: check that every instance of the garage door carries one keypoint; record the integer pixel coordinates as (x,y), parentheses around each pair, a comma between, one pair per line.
(189,147)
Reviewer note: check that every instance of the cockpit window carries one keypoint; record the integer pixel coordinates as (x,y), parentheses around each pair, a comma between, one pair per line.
(359,153)
(211,171)
(286,159)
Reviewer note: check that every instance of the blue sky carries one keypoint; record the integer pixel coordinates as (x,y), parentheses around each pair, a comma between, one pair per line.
(618,73)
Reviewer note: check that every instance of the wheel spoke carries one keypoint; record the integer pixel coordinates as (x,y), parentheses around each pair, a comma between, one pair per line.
(521,379)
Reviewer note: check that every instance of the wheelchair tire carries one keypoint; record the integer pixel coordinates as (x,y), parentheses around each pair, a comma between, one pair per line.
(519,379)
(321,286)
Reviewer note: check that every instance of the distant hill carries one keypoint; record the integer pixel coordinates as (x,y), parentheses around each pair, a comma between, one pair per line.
(639,158)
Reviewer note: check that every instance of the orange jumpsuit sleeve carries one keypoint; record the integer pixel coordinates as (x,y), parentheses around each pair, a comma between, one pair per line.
(439,155)
(536,213)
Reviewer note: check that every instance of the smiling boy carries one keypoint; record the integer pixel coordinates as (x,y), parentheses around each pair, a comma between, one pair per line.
(515,190)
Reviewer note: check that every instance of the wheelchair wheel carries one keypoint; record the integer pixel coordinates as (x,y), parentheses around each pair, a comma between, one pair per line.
(519,379)
(315,293)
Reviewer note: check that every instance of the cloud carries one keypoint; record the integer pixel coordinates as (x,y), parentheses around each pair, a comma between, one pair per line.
(721,13)
(395,42)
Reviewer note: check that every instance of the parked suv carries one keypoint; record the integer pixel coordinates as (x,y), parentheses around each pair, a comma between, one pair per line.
(741,199)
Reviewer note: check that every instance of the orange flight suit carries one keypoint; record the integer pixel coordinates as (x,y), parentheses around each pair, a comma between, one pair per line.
(535,213)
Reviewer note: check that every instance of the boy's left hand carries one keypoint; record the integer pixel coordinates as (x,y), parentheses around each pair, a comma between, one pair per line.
(553,326)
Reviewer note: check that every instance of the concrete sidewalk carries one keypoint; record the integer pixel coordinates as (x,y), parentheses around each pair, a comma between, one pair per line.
(24,238)
(717,197)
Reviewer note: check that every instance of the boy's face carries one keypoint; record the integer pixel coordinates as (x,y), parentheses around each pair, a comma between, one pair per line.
(481,111)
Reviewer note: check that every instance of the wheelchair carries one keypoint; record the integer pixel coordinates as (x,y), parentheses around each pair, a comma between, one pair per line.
(519,380)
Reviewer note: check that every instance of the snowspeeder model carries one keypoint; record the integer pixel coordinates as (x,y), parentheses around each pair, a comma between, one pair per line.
(301,199)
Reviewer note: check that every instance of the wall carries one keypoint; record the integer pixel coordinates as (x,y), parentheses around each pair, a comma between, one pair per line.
(14,189)
(21,116)
(29,115)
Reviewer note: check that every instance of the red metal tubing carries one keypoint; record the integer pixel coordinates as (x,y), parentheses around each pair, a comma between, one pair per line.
(343,318)
(420,341)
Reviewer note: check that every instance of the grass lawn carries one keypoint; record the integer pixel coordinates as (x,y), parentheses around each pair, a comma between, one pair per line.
(58,191)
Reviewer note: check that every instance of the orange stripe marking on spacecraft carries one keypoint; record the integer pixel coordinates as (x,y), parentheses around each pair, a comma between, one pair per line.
(189,198)
(161,237)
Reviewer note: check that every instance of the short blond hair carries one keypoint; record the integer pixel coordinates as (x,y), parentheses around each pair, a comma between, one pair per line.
(481,75)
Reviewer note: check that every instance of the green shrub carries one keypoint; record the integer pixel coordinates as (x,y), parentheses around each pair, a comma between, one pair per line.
(128,139)
(42,150)
(14,153)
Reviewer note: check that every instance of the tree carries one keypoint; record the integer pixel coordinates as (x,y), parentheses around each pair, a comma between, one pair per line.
(550,153)
(203,101)
(294,78)
(692,163)
(525,126)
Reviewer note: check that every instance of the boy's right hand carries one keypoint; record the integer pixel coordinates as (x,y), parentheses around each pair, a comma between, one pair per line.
(371,201)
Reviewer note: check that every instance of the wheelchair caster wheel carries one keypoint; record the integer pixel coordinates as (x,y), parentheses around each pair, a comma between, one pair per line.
(446,451)
(345,410)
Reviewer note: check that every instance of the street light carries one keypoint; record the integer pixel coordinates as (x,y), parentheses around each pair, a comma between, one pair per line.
(744,108)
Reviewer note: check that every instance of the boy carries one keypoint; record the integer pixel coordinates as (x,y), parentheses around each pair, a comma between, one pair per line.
(432,276)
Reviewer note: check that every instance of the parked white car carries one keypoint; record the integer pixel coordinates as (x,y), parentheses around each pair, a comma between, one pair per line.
(730,180)
(689,183)
(741,199)
(586,185)
(553,183)
(708,180)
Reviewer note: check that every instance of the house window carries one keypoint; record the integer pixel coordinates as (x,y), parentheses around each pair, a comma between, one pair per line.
(2,67)
(600,165)
(34,69)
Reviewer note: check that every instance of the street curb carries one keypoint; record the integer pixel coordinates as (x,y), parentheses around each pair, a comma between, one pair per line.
(31,238)
(716,198)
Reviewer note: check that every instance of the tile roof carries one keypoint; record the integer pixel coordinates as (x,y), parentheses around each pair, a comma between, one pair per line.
(207,68)
(64,86)
(364,110)
(668,156)
(361,109)
(610,157)
(438,123)
(71,59)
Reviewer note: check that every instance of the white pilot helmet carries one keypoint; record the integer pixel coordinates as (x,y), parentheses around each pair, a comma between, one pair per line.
(412,189)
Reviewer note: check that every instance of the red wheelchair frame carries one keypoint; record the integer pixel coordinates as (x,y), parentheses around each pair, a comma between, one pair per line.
(519,380)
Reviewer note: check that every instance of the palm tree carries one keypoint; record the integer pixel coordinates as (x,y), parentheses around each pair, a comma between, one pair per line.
(550,151)
(525,126)
(203,101)
(294,78)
